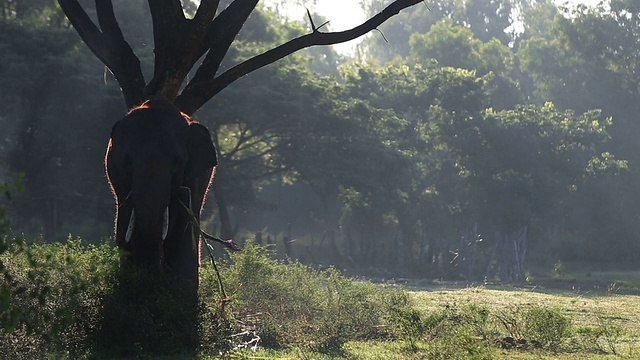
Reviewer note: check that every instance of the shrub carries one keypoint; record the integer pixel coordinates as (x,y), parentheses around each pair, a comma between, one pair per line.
(535,326)
(71,301)
(55,297)
(289,304)
(549,327)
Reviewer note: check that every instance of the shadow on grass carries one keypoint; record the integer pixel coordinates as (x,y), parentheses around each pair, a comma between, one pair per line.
(149,314)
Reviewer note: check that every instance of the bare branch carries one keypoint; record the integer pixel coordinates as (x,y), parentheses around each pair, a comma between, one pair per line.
(202,87)
(107,21)
(223,30)
(180,42)
(87,30)
(206,11)
(313,26)
(381,33)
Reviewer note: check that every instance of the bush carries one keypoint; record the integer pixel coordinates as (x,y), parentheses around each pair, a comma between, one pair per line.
(548,327)
(535,326)
(55,297)
(294,305)
(71,301)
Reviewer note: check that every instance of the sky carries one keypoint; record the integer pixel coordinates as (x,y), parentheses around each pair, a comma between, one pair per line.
(346,14)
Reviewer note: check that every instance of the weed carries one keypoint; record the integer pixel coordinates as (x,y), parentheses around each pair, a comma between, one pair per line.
(604,337)
(535,326)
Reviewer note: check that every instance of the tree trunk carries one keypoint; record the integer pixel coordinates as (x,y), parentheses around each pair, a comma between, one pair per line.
(226,230)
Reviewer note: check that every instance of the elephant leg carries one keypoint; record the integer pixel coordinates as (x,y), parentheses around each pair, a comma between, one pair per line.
(125,248)
(181,244)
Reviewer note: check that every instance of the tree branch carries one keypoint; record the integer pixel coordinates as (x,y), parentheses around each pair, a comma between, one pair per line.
(179,43)
(206,11)
(223,30)
(203,86)
(109,46)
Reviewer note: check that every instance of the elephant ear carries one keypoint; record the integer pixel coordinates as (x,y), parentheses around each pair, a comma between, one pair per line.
(202,153)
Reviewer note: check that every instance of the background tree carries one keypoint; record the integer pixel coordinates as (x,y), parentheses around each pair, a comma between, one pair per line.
(393,165)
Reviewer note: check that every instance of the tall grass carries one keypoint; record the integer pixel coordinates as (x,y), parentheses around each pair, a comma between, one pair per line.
(71,301)
(289,304)
(55,295)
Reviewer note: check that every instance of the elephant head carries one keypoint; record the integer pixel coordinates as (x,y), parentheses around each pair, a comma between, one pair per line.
(159,164)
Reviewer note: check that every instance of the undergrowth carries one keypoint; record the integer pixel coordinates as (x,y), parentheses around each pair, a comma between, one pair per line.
(289,304)
(71,301)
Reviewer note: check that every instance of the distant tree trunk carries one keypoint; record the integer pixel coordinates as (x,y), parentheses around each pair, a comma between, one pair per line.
(226,230)
(286,241)
(400,249)
(510,252)
(334,246)
(259,238)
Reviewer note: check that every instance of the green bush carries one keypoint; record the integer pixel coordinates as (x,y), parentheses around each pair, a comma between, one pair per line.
(549,327)
(535,326)
(71,301)
(457,332)
(55,297)
(289,304)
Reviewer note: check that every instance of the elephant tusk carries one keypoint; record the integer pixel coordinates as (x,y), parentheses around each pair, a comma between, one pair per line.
(132,224)
(165,223)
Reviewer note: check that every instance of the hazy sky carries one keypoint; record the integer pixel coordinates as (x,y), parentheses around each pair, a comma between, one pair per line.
(345,14)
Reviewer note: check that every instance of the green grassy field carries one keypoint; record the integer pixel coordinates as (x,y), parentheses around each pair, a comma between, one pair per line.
(603,323)
(67,301)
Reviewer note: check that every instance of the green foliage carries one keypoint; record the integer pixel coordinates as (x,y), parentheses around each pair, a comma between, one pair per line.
(69,300)
(549,327)
(603,337)
(289,304)
(56,297)
(536,326)
(455,332)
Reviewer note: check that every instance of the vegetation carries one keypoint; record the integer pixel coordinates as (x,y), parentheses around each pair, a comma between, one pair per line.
(66,302)
(430,157)
(487,142)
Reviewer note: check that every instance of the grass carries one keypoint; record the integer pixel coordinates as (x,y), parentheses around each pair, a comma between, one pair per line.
(604,312)
(61,295)
(603,326)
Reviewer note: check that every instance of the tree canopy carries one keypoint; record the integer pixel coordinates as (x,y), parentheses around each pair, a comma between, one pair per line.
(476,122)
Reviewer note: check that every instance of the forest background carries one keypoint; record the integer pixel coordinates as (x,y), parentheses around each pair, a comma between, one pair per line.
(468,139)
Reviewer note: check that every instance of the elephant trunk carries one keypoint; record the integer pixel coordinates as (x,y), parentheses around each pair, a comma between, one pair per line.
(132,225)
(149,222)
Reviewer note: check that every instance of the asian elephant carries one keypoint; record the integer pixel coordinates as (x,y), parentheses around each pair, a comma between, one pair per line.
(159,164)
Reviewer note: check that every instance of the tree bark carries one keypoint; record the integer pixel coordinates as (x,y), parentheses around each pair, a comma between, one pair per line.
(191,39)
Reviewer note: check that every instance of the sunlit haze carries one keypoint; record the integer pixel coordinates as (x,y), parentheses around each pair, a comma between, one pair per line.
(346,14)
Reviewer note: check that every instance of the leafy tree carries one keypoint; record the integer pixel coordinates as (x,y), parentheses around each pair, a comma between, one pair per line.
(585,60)
(43,69)
(456,46)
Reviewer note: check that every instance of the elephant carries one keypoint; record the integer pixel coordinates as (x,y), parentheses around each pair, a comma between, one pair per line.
(160,164)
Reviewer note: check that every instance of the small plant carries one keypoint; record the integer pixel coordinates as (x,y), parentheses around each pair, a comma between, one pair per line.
(409,325)
(548,327)
(604,337)
(458,343)
(534,327)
